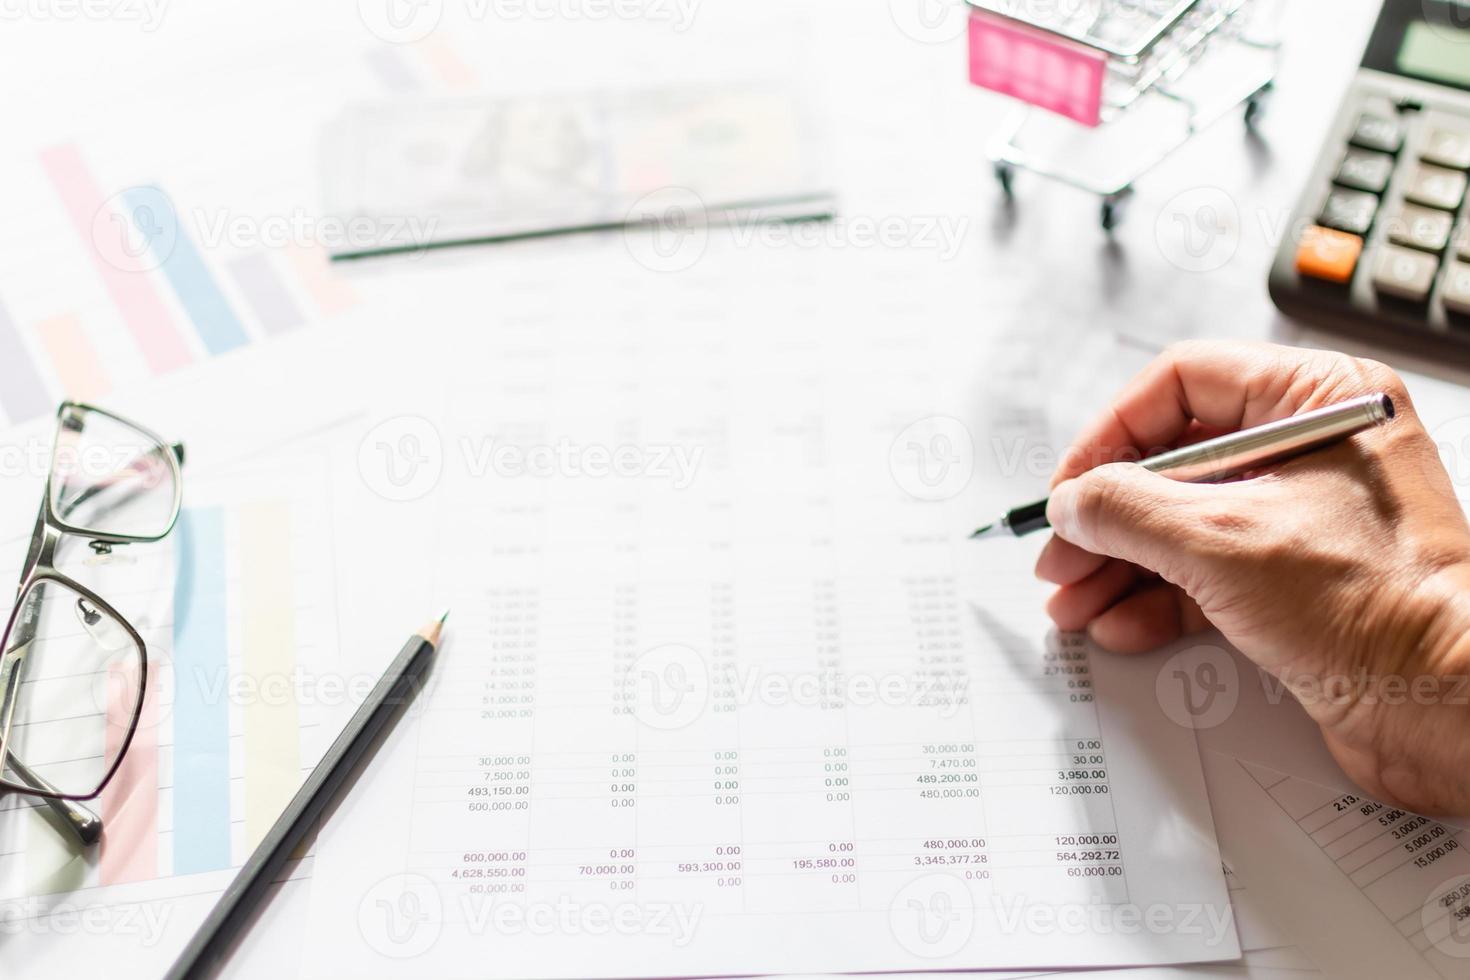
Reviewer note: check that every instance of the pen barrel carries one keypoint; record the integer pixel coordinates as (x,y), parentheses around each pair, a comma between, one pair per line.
(1231,455)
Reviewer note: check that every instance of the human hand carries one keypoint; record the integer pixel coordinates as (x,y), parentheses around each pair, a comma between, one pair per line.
(1345,573)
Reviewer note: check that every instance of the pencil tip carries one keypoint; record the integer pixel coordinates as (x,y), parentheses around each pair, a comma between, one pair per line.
(435,627)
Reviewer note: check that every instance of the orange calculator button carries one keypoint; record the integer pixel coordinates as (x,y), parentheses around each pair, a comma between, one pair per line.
(1327,254)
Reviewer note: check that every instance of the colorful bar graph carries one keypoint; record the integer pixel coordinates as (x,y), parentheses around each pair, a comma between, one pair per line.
(130,802)
(272,729)
(267,295)
(73,357)
(201,759)
(125,276)
(184,267)
(22,392)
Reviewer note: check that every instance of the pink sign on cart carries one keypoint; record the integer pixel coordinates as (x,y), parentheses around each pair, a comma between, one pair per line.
(1038,68)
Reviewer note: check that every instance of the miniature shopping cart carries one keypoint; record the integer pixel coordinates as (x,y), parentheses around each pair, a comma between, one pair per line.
(1112,87)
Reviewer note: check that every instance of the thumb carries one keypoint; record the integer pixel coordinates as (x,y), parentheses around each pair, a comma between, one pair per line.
(1124,511)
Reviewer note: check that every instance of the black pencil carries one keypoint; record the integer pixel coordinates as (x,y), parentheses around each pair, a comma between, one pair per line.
(207,950)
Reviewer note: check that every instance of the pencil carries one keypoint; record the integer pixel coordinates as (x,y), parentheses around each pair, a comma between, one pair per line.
(207,950)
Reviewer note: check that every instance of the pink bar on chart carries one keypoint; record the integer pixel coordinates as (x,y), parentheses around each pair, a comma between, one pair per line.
(446,62)
(130,801)
(126,276)
(73,357)
(1038,68)
(328,290)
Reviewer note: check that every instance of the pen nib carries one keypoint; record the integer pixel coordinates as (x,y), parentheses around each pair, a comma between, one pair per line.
(991,531)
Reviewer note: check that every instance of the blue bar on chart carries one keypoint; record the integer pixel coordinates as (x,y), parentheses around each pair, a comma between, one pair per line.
(201,729)
(266,293)
(22,392)
(184,267)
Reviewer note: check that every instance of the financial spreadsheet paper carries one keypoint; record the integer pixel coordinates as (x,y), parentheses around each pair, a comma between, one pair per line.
(727,690)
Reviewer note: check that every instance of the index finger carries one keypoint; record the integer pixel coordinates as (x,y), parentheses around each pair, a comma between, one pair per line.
(1220,385)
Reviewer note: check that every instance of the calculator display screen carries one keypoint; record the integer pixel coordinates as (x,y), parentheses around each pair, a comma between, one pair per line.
(1436,51)
(1427,39)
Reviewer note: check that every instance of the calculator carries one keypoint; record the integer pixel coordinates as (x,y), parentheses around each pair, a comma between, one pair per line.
(1379,243)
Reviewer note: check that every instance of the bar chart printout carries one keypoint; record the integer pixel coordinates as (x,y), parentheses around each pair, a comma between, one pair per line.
(230,608)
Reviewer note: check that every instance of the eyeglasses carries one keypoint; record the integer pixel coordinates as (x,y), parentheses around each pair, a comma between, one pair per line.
(73,671)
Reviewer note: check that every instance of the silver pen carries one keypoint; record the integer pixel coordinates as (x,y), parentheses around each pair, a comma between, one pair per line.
(1239,452)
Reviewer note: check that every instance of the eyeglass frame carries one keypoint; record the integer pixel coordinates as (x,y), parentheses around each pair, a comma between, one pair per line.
(50,530)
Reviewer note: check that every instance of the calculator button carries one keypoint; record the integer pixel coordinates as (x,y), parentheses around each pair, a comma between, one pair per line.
(1448,148)
(1436,187)
(1349,211)
(1365,170)
(1327,254)
(1404,273)
(1456,292)
(1378,133)
(1420,228)
(1463,242)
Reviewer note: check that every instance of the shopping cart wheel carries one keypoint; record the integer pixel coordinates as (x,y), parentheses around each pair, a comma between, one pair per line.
(1114,206)
(1005,175)
(1256,105)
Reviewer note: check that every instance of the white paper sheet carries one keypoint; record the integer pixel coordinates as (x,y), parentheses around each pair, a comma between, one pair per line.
(1366,890)
(720,650)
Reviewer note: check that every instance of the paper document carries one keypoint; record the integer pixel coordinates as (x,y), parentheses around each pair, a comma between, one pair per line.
(724,693)
(1367,890)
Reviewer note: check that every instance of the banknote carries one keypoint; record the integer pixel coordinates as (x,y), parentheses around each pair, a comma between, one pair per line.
(405,175)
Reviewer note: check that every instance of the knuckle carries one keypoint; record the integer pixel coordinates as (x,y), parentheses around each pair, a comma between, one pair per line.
(1381,377)
(1224,528)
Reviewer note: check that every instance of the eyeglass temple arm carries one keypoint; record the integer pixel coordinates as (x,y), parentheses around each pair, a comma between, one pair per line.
(82,822)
